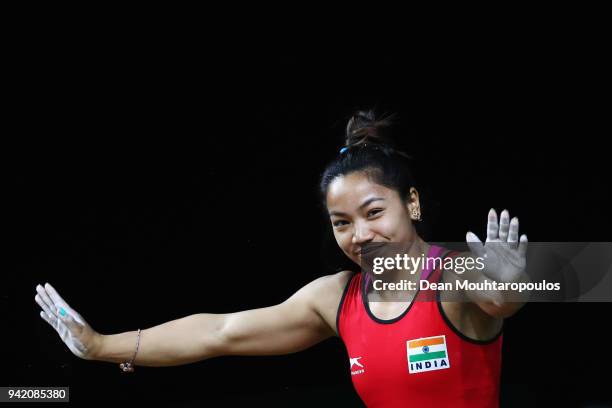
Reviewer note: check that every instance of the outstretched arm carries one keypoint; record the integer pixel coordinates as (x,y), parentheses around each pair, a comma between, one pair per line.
(291,326)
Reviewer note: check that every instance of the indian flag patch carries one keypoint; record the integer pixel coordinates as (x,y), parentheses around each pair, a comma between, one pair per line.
(427,354)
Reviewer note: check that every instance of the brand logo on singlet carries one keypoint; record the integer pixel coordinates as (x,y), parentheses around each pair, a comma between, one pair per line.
(358,367)
(427,354)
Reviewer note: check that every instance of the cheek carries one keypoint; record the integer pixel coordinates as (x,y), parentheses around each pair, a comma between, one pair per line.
(404,229)
(387,226)
(343,239)
(396,228)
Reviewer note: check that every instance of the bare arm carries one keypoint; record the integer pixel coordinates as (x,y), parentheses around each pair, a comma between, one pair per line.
(176,342)
(291,326)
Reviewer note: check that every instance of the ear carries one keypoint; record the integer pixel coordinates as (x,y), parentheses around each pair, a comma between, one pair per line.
(413,202)
(413,206)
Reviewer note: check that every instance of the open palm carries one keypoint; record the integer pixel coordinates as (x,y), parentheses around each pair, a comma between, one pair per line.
(503,253)
(74,331)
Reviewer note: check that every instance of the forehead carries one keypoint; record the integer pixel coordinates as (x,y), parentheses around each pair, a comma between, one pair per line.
(347,192)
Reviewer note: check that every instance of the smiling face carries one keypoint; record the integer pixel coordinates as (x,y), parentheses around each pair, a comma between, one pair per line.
(363,211)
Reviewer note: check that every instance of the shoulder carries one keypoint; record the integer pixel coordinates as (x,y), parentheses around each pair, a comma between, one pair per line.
(327,288)
(335,282)
(324,294)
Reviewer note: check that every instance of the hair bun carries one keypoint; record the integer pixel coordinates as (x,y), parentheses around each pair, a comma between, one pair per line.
(364,127)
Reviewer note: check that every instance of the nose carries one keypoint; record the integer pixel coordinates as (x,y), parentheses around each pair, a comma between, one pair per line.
(362,234)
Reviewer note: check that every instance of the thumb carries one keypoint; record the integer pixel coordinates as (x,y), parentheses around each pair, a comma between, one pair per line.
(475,244)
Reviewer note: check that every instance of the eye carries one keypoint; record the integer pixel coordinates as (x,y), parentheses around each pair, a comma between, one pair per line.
(339,223)
(374,212)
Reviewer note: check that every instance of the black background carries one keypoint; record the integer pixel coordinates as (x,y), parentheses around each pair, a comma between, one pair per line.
(148,184)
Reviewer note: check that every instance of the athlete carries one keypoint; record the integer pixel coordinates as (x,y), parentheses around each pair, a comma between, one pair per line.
(402,351)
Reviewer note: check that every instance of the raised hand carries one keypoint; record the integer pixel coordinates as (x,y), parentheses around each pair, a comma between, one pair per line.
(74,331)
(503,252)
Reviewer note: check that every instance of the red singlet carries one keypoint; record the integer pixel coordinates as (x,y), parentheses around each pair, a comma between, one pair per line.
(417,359)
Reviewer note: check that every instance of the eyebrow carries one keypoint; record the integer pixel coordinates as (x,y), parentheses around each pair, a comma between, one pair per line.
(364,204)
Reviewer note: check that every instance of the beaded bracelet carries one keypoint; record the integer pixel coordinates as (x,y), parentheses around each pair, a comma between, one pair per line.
(128,367)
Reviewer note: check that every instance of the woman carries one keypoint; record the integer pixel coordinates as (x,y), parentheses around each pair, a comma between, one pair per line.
(431,353)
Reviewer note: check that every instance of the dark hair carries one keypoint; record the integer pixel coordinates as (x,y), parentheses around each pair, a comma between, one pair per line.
(369,148)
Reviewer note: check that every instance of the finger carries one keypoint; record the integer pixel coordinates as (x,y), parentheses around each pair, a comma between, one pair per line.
(522,249)
(45,317)
(504,226)
(42,293)
(43,306)
(62,304)
(513,234)
(56,298)
(51,320)
(492,227)
(475,244)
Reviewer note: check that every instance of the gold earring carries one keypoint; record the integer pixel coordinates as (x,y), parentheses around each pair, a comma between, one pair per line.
(416,214)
